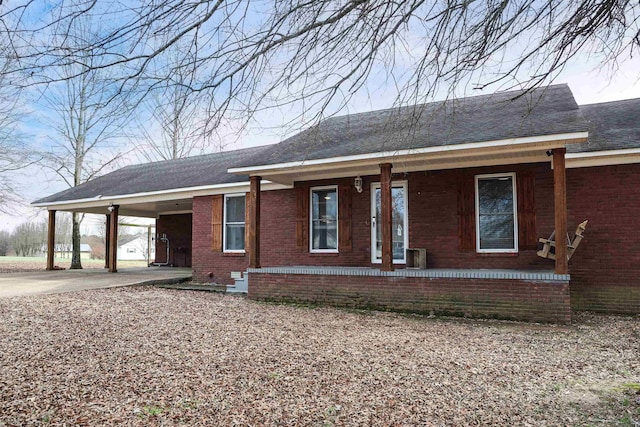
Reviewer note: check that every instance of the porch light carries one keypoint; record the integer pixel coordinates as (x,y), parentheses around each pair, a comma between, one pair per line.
(110,208)
(358,184)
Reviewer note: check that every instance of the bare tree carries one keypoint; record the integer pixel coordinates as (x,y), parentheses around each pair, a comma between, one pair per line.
(5,242)
(249,55)
(172,119)
(64,232)
(15,154)
(29,238)
(86,124)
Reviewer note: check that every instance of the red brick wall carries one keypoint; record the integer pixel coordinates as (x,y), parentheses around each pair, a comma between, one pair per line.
(605,269)
(504,299)
(178,230)
(210,266)
(433,220)
(433,224)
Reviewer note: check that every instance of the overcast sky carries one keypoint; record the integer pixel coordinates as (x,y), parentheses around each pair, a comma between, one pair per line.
(589,83)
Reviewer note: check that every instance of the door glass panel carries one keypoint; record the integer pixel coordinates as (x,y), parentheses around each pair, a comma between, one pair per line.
(398,216)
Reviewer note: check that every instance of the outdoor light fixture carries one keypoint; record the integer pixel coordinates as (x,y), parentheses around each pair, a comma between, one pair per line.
(110,208)
(358,184)
(549,153)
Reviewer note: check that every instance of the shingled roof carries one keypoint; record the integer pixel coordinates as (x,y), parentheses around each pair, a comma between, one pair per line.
(544,111)
(612,126)
(209,169)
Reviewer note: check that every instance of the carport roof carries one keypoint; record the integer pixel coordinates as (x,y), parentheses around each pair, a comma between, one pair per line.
(209,169)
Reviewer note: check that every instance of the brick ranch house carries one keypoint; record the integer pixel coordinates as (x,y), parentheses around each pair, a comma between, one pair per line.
(328,215)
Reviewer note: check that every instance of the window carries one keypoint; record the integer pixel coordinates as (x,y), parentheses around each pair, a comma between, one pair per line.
(496,209)
(234,211)
(131,250)
(324,219)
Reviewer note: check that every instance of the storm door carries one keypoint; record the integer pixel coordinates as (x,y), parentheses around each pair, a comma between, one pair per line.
(400,221)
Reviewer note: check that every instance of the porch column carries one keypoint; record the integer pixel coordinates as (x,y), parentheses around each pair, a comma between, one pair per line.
(107,241)
(113,240)
(386,221)
(254,222)
(51,239)
(560,208)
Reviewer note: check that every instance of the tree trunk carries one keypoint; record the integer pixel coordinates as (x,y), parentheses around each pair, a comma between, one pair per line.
(76,263)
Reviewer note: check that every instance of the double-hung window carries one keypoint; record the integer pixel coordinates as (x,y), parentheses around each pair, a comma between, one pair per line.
(234,214)
(324,219)
(496,213)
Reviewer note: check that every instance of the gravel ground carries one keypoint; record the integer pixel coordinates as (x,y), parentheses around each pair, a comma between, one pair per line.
(147,356)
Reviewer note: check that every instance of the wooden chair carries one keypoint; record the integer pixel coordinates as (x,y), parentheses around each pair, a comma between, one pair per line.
(572,244)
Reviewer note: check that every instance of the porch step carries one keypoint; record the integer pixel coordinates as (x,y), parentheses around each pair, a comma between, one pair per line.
(240,287)
(196,287)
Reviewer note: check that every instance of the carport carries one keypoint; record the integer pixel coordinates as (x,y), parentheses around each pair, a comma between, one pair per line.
(162,190)
(173,225)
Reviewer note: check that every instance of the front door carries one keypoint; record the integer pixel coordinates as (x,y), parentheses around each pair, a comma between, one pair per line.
(399,232)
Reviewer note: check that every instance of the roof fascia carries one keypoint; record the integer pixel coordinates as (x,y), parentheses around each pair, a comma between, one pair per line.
(553,140)
(157,196)
(603,158)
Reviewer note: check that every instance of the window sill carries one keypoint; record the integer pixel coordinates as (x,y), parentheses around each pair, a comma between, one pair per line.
(234,254)
(324,254)
(497,254)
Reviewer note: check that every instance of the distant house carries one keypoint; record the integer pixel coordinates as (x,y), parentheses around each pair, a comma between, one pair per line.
(66,251)
(134,248)
(339,213)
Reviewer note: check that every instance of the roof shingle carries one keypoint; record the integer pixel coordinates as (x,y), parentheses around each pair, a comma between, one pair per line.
(209,169)
(504,115)
(544,111)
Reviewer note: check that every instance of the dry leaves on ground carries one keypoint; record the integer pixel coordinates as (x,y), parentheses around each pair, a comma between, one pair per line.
(147,356)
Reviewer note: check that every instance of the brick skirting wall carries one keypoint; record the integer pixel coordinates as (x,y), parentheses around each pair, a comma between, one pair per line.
(516,299)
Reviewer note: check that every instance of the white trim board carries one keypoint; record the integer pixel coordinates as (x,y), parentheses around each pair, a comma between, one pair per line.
(158,196)
(603,158)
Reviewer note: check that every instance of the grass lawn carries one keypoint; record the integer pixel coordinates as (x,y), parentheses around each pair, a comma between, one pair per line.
(16,263)
(147,356)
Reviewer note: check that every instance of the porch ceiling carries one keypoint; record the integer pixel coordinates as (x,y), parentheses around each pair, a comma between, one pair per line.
(146,209)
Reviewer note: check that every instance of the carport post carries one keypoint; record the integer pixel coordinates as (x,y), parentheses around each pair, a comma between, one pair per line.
(51,239)
(113,239)
(107,241)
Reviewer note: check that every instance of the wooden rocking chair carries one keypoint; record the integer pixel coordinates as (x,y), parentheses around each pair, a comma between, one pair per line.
(572,244)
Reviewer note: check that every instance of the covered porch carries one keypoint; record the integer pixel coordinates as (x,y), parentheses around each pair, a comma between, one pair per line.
(494,283)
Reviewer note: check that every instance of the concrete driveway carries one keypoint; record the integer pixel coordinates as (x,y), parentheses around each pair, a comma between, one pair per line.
(53,282)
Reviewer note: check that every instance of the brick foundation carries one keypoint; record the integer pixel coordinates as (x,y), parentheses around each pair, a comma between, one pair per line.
(516,299)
